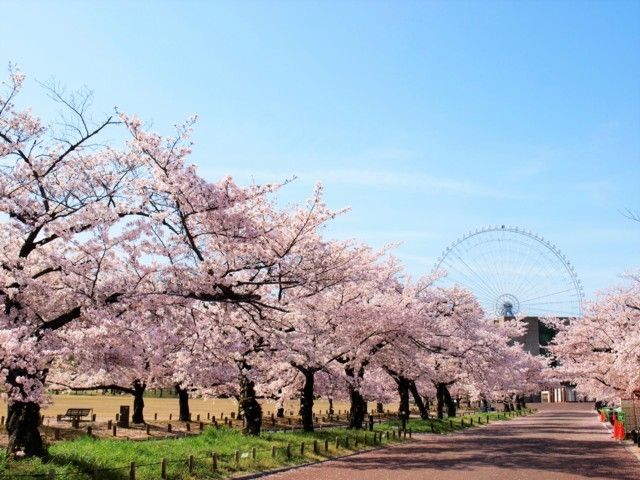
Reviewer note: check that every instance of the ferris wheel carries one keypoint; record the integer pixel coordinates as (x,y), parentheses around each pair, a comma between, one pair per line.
(513,272)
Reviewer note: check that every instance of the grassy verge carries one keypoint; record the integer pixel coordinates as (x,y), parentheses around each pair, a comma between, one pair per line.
(78,459)
(449,425)
(87,458)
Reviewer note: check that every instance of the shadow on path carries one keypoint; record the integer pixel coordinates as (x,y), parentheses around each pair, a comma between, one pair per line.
(552,444)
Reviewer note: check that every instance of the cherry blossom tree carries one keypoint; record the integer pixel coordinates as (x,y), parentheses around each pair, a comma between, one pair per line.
(598,352)
(61,195)
(89,227)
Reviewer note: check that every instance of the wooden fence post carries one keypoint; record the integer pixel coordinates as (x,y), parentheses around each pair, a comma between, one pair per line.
(315,447)
(387,434)
(253,453)
(326,444)
(148,429)
(169,428)
(114,430)
(273,451)
(163,469)
(288,451)
(337,443)
(302,448)
(237,456)
(346,442)
(132,471)
(409,433)
(190,463)
(155,416)
(214,461)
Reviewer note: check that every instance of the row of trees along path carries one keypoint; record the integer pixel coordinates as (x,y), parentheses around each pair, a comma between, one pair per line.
(122,268)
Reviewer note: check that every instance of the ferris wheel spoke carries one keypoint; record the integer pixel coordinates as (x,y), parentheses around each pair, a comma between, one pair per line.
(497,265)
(540,288)
(550,294)
(526,286)
(470,280)
(473,272)
(560,302)
(490,266)
(554,312)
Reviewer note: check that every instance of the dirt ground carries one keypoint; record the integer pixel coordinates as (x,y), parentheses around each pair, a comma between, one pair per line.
(105,407)
(159,414)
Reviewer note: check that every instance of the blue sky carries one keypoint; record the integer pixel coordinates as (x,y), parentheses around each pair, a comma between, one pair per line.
(428,119)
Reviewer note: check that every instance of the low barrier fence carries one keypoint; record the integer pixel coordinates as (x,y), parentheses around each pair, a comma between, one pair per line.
(214,464)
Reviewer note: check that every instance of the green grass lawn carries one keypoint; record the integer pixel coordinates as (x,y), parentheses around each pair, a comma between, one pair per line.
(110,459)
(449,425)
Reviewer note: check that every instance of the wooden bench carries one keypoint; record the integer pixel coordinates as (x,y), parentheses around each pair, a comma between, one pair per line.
(76,415)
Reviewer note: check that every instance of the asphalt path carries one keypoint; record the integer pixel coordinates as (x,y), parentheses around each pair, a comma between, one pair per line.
(560,442)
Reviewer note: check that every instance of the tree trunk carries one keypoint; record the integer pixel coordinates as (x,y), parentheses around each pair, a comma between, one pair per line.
(379,407)
(358,409)
(523,401)
(280,412)
(23,419)
(138,402)
(403,390)
(250,407)
(306,400)
(331,412)
(424,410)
(183,402)
(440,387)
(451,404)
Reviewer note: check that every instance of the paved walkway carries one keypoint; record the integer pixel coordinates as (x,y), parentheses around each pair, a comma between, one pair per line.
(563,442)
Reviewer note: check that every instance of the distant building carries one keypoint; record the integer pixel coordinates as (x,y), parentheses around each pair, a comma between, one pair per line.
(535,340)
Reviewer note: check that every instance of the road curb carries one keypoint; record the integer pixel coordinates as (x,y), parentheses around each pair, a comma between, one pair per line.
(417,436)
(319,462)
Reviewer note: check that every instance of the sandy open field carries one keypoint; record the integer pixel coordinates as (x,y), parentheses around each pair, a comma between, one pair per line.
(105,407)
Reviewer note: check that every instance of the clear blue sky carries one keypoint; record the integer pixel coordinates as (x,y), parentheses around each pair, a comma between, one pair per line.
(428,119)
